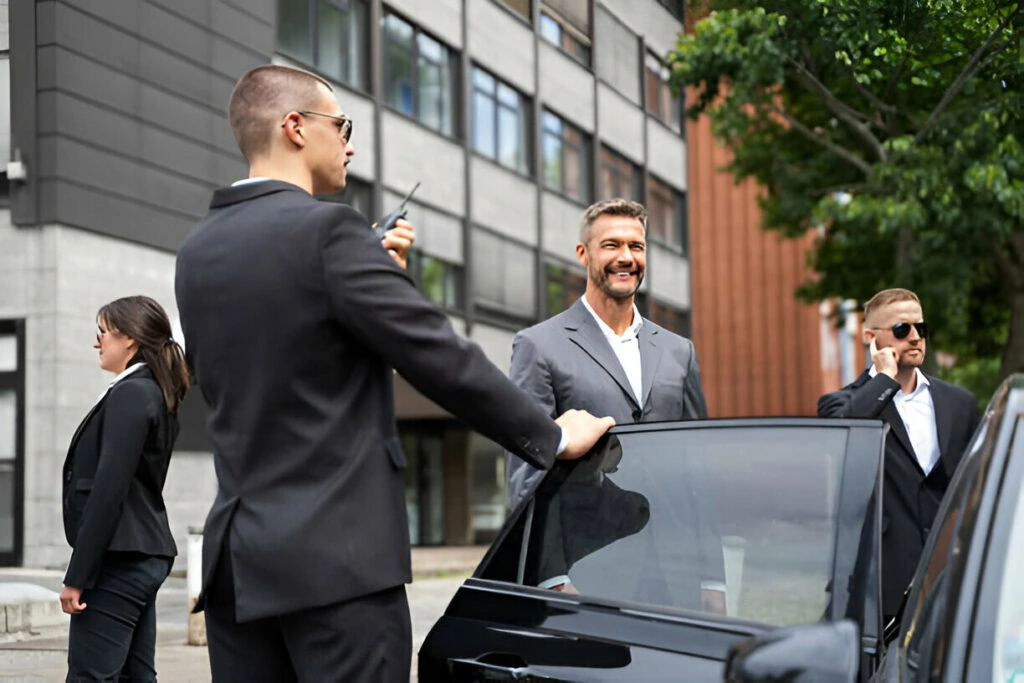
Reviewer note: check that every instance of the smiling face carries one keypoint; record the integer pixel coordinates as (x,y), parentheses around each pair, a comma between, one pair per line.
(878,326)
(115,348)
(615,256)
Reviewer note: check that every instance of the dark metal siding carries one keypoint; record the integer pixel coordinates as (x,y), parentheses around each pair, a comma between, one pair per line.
(124,112)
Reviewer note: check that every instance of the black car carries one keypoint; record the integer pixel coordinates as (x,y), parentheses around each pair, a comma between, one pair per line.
(699,551)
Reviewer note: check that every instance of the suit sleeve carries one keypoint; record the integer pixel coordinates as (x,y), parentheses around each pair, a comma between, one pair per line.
(694,406)
(379,305)
(530,372)
(866,401)
(126,424)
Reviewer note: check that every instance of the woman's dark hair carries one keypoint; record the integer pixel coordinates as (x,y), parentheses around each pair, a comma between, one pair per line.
(144,320)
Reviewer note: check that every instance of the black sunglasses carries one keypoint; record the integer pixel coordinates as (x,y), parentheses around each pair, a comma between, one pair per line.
(901,330)
(344,122)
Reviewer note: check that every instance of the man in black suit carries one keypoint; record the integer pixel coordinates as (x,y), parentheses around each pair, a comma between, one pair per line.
(294,317)
(931,423)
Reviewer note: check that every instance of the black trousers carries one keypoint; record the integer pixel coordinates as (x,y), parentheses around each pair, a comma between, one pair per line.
(365,639)
(114,639)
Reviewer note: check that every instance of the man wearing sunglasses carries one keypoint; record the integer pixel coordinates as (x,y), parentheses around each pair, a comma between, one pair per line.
(931,423)
(294,317)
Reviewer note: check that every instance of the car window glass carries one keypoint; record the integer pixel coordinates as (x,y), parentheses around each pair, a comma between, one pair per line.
(1009,640)
(924,626)
(739,521)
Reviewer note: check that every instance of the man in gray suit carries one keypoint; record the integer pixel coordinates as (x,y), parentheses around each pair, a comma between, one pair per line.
(601,355)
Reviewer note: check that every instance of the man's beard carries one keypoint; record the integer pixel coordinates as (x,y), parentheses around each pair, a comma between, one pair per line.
(605,283)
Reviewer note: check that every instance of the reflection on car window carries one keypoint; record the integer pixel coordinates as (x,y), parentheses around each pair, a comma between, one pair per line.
(738,521)
(924,626)
(1009,640)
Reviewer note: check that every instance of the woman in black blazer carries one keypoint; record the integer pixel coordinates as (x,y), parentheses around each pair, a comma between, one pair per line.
(114,513)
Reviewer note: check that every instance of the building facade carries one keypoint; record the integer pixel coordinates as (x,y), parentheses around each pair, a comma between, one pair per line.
(512,114)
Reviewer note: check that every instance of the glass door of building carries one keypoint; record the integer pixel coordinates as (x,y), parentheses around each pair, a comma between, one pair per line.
(423,443)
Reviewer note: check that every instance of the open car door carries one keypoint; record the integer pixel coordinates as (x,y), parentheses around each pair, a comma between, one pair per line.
(647,558)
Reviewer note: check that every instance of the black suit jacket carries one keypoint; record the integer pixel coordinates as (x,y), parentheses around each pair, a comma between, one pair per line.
(114,477)
(910,499)
(294,317)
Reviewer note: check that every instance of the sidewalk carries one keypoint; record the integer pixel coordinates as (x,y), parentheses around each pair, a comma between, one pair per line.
(34,648)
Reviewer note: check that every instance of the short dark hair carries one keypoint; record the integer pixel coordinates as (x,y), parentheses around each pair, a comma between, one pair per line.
(262,97)
(611,207)
(144,320)
(886,297)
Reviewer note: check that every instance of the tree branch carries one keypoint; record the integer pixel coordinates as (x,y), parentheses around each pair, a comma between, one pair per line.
(823,141)
(875,101)
(850,116)
(971,68)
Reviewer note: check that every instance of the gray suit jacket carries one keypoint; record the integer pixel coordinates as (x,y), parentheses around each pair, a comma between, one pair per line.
(565,362)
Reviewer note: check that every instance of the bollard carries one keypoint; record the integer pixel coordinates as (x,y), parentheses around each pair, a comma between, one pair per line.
(194,578)
(733,550)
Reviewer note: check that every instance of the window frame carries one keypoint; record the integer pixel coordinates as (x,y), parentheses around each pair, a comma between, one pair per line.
(525,132)
(583,148)
(565,279)
(500,313)
(14,380)
(675,118)
(680,209)
(580,45)
(415,54)
(312,11)
(635,179)
(453,273)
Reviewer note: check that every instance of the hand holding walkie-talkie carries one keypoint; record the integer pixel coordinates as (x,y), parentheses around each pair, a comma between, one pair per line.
(389,221)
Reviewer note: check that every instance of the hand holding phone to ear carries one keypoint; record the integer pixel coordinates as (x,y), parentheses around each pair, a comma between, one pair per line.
(886,360)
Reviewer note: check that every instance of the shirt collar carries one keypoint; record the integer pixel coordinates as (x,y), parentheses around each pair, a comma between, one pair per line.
(922,380)
(632,331)
(127,371)
(246,181)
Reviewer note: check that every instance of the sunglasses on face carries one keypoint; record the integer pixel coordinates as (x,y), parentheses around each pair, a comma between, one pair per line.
(343,122)
(901,330)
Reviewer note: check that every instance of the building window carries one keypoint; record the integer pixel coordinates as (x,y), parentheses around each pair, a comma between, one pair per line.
(566,24)
(672,319)
(660,102)
(12,440)
(619,176)
(440,281)
(675,7)
(504,278)
(523,8)
(330,35)
(565,286)
(500,121)
(566,158)
(357,193)
(423,445)
(666,215)
(419,75)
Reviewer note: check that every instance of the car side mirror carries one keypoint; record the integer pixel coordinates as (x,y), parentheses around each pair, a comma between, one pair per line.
(816,652)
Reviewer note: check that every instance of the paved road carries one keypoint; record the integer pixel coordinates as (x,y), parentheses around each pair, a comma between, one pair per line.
(42,657)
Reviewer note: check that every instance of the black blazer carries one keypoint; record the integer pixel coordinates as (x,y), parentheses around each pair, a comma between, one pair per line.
(294,317)
(114,477)
(910,499)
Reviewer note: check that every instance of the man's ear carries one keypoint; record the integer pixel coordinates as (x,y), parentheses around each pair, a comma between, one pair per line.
(581,254)
(293,131)
(867,335)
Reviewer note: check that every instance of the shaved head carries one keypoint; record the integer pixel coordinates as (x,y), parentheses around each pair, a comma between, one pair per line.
(261,99)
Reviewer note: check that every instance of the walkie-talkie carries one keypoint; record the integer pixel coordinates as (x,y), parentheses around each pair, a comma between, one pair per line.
(388,222)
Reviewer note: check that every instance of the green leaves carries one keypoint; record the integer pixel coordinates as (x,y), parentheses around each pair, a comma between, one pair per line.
(896,127)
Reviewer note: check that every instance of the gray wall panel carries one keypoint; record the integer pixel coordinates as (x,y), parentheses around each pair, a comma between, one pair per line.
(132,98)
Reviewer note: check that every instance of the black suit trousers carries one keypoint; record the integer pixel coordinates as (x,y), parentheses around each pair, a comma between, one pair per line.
(114,639)
(364,639)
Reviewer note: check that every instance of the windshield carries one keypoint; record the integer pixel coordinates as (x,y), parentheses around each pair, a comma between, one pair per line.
(738,521)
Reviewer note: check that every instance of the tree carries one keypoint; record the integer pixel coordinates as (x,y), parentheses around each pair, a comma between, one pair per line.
(894,128)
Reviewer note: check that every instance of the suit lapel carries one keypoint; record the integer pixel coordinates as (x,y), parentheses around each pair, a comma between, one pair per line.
(650,356)
(584,332)
(81,426)
(892,416)
(943,426)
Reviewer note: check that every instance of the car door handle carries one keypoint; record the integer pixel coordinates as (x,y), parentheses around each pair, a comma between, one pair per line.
(493,666)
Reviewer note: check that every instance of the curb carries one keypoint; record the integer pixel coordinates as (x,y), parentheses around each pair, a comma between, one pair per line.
(30,615)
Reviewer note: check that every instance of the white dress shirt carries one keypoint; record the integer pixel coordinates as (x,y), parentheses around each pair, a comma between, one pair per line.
(917,411)
(626,347)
